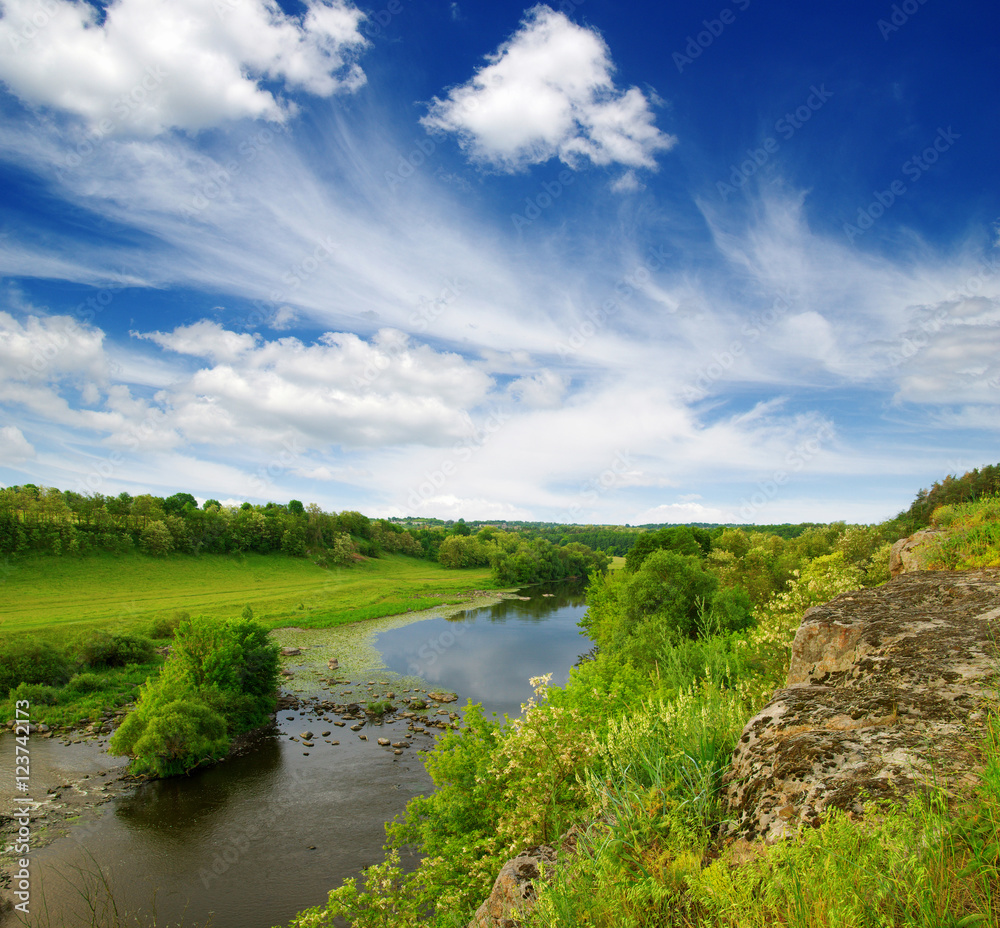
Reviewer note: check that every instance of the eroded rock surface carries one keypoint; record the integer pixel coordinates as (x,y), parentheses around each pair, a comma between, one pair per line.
(886,692)
(514,892)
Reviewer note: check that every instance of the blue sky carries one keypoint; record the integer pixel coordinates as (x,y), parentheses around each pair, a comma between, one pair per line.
(587,262)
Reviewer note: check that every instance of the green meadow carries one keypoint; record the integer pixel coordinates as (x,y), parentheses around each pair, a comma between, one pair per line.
(48,596)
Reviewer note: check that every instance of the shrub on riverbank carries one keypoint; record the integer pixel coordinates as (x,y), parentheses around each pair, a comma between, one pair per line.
(220,680)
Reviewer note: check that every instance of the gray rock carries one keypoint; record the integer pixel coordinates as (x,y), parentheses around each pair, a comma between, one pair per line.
(885,692)
(514,894)
(912,553)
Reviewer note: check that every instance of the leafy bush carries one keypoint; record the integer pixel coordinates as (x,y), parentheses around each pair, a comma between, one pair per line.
(85,683)
(25,659)
(173,737)
(101,649)
(38,694)
(218,674)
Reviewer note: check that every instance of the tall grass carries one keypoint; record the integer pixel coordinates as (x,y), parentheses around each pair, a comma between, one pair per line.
(972,540)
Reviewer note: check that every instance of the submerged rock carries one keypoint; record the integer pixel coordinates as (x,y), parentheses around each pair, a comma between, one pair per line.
(886,693)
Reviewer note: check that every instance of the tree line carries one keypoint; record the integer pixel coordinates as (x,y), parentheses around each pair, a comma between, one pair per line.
(46,520)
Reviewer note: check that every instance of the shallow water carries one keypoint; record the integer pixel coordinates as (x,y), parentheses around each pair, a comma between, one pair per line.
(250,842)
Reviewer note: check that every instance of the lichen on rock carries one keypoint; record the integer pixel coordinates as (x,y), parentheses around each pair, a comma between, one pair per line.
(886,693)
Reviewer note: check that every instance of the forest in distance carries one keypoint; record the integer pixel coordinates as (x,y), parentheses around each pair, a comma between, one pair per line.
(45,520)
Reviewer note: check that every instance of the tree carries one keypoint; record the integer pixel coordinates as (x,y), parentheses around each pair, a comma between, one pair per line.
(175,505)
(296,508)
(155,539)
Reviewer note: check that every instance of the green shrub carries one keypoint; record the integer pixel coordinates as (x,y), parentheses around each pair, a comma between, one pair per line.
(85,683)
(25,659)
(100,649)
(219,680)
(175,738)
(38,694)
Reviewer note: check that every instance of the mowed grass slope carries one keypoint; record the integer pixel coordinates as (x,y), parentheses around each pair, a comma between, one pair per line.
(55,596)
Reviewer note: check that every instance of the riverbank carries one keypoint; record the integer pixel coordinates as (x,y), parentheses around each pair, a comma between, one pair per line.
(306,815)
(73,778)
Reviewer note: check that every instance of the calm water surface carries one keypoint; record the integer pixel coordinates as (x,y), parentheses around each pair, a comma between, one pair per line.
(250,842)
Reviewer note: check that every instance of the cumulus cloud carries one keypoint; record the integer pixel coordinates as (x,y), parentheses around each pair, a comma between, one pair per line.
(145,66)
(548,92)
(48,348)
(341,390)
(14,447)
(204,339)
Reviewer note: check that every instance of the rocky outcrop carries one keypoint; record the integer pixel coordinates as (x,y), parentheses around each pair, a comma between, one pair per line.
(886,693)
(912,553)
(514,892)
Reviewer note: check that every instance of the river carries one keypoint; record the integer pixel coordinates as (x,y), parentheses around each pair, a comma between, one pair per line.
(251,841)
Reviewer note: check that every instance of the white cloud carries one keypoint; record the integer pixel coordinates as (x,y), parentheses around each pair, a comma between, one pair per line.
(153,65)
(342,390)
(951,354)
(548,92)
(204,339)
(542,390)
(49,348)
(682,512)
(627,183)
(14,447)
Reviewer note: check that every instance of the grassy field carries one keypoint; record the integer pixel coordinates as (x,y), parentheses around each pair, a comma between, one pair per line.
(49,596)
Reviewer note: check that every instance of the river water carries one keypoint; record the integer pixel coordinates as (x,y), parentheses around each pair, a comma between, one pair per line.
(250,842)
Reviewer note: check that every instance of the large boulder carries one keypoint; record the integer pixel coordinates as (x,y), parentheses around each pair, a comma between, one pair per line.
(912,553)
(887,692)
(514,892)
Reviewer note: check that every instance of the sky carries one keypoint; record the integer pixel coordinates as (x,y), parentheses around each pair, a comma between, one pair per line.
(587,262)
